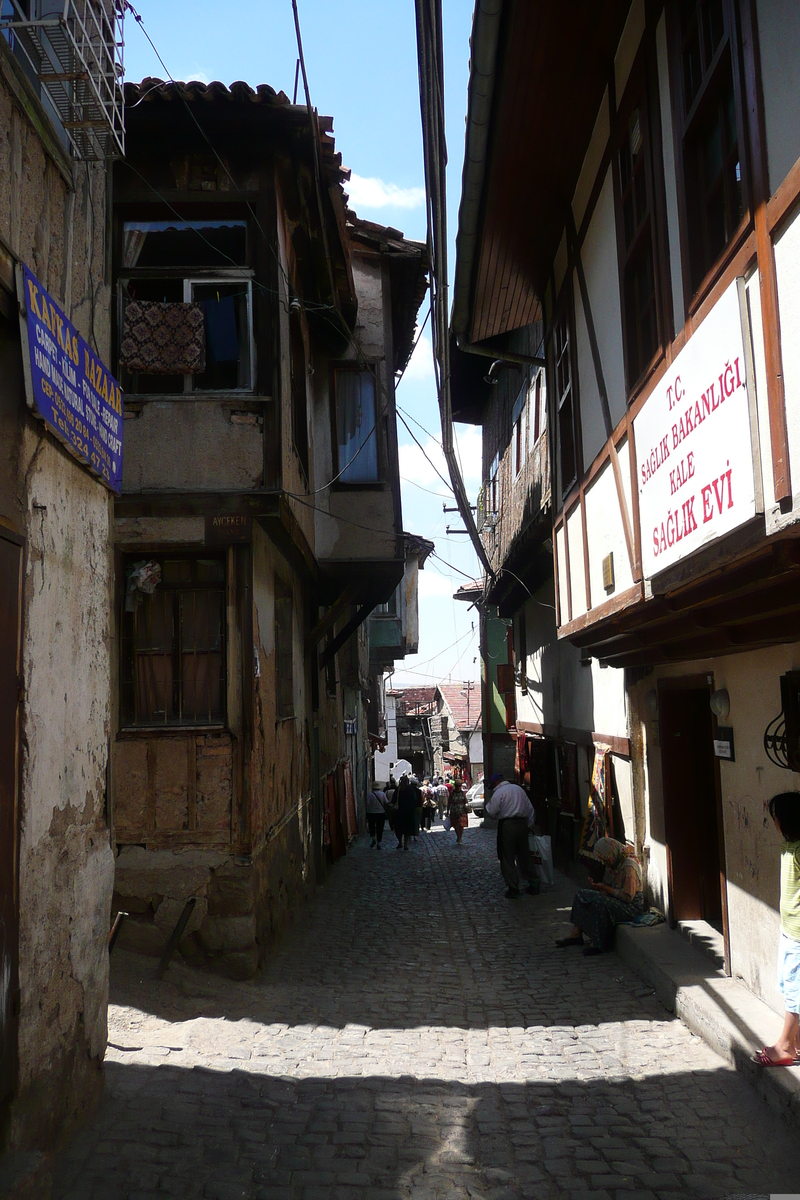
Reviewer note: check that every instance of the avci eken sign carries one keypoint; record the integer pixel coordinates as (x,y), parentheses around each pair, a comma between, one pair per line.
(694,442)
(72,389)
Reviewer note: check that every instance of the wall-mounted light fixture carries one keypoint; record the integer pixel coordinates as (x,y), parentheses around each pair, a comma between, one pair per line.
(721,704)
(651,702)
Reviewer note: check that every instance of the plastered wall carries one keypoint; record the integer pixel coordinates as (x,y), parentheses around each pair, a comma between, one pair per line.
(66,864)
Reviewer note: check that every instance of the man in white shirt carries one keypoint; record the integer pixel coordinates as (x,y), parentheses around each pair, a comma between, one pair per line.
(515,816)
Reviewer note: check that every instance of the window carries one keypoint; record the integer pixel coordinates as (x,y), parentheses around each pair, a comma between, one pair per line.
(567,440)
(636,238)
(173,642)
(202,263)
(493,487)
(284,685)
(518,421)
(708,123)
(389,607)
(540,407)
(356,430)
(299,391)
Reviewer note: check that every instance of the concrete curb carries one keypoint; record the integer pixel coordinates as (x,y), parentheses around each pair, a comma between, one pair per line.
(722,1011)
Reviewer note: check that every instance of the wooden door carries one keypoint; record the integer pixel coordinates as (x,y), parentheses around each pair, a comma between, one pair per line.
(10,687)
(691,816)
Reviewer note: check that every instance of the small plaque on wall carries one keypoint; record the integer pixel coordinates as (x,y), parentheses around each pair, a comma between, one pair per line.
(223,529)
(723,743)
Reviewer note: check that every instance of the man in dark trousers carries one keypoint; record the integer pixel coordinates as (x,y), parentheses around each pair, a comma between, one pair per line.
(514,813)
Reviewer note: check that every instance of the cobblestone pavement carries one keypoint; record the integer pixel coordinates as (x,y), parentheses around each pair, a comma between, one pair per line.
(417,1035)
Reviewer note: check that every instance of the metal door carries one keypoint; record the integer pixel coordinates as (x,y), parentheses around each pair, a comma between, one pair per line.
(11,562)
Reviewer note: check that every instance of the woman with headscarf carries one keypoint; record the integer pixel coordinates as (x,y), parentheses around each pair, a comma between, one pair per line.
(457,811)
(598,909)
(405,823)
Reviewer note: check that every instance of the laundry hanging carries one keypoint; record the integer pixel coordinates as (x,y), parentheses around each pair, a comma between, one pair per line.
(163,339)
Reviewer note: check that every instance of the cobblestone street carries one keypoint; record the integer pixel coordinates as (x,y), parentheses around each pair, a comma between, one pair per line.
(417,1035)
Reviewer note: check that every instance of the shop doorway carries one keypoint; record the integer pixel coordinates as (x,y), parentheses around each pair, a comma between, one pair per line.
(11,553)
(692,804)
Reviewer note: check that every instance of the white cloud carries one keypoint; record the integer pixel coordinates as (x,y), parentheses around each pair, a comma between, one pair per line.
(432,583)
(368,192)
(420,365)
(194,77)
(416,466)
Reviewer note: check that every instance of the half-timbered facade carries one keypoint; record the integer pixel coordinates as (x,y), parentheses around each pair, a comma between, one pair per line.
(258,328)
(638,196)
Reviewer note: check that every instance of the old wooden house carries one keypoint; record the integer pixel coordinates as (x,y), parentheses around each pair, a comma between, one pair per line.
(258,326)
(653,230)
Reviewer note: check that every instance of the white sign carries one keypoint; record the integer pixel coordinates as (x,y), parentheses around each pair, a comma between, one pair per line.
(694,443)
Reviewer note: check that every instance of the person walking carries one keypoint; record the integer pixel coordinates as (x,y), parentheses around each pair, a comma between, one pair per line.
(514,813)
(785,812)
(457,812)
(442,797)
(405,821)
(376,816)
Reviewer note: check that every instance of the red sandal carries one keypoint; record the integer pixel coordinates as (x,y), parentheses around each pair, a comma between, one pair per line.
(763,1059)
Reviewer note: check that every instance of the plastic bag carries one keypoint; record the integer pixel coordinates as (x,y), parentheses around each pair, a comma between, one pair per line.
(446,823)
(143,579)
(541,849)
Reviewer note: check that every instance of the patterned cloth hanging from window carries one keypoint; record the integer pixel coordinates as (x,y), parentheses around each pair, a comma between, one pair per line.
(163,339)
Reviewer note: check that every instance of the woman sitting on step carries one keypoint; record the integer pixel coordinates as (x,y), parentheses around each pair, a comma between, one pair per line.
(598,909)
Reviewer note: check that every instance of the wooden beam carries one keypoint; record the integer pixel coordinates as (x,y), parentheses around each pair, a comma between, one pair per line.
(765,251)
(329,619)
(345,634)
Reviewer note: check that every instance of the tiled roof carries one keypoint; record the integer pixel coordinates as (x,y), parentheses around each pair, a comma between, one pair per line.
(409,699)
(466,714)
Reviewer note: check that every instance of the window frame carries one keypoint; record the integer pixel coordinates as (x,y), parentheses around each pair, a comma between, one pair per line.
(298,372)
(372,366)
(187,279)
(564,314)
(519,427)
(128,654)
(684,123)
(639,94)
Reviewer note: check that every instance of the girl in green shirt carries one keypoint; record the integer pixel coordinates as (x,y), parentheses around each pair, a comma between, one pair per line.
(785,812)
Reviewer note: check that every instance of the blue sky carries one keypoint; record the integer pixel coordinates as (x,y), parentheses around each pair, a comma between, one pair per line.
(362,70)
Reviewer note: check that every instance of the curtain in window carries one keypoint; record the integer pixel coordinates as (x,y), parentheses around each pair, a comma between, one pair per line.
(355,415)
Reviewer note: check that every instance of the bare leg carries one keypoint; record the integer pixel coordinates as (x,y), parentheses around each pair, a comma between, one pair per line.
(788,1044)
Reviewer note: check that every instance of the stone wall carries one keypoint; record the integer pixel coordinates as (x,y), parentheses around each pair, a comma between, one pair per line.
(52,217)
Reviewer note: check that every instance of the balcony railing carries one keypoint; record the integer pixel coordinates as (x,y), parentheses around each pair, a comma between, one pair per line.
(72,51)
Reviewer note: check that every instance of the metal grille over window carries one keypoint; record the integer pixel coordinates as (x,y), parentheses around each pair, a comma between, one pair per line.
(173,642)
(72,52)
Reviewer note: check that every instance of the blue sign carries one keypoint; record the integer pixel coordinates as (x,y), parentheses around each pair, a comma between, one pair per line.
(72,389)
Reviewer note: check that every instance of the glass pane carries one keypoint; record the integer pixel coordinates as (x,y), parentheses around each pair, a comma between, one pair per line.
(225,309)
(566,441)
(155,622)
(155,699)
(692,63)
(210,570)
(201,620)
(355,419)
(201,685)
(713,28)
(184,244)
(176,570)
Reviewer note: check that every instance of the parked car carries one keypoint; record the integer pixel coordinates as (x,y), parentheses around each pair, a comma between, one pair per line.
(475,801)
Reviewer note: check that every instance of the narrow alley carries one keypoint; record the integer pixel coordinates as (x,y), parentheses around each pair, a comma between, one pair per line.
(416,1035)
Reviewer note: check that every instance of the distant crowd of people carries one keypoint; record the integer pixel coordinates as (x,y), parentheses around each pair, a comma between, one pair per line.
(411,806)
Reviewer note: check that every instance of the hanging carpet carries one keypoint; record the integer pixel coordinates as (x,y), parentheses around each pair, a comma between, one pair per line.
(163,339)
